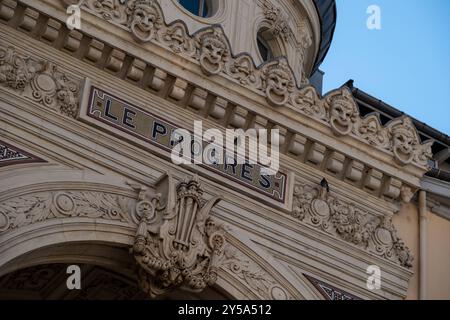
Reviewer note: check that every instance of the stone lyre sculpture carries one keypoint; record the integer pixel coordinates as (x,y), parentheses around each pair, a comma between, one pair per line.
(177,244)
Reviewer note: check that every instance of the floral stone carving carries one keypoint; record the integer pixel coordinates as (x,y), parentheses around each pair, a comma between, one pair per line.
(316,207)
(112,10)
(15,71)
(177,243)
(255,278)
(42,206)
(39,80)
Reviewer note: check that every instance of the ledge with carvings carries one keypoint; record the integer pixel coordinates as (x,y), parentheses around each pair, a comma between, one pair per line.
(209,47)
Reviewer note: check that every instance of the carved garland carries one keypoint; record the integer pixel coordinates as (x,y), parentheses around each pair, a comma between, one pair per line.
(33,208)
(275,79)
(39,80)
(316,207)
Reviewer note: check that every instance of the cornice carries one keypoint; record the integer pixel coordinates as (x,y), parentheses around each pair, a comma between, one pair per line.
(292,122)
(274,80)
(436,186)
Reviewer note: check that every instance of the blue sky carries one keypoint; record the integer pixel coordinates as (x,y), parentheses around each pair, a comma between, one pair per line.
(406,63)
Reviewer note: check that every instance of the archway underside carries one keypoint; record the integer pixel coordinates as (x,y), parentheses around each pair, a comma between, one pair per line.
(34,279)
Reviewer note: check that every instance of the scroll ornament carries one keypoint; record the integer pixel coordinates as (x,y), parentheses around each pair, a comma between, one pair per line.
(177,244)
(376,234)
(275,80)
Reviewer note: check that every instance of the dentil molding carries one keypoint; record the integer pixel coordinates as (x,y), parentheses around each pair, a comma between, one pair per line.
(210,48)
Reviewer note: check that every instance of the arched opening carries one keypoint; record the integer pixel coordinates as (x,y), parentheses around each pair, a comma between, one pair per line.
(91,236)
(268,46)
(201,8)
(106,273)
(264,49)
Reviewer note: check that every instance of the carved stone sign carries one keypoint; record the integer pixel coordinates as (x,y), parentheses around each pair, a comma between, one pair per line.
(121,115)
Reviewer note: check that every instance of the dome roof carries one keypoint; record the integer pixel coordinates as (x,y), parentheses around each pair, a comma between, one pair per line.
(326,10)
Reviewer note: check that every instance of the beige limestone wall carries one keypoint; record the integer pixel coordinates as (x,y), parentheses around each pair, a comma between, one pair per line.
(407,224)
(438,255)
(438,258)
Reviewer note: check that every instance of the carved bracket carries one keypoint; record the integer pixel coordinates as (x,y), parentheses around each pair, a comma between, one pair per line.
(278,20)
(177,243)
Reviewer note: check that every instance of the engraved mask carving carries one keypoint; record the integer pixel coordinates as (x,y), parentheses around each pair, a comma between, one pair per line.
(343,113)
(279,82)
(214,52)
(403,140)
(146,20)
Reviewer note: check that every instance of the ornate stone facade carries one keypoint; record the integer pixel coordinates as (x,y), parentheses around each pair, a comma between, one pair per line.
(182,71)
(275,80)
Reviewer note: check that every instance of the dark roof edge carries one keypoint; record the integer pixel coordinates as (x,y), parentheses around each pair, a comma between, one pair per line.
(439,174)
(327,26)
(395,113)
